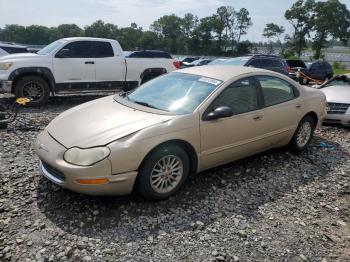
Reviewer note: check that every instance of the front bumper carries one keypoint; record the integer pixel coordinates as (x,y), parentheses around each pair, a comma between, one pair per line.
(5,86)
(54,168)
(343,119)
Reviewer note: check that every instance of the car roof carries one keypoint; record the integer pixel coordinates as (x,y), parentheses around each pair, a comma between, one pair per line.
(87,39)
(4,44)
(222,72)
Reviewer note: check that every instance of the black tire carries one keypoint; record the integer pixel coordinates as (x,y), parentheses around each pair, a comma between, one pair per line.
(143,183)
(295,144)
(23,86)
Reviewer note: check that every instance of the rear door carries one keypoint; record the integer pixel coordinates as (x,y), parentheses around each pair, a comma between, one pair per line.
(282,109)
(110,66)
(77,69)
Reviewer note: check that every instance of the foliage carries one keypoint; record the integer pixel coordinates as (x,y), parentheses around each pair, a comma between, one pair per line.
(216,34)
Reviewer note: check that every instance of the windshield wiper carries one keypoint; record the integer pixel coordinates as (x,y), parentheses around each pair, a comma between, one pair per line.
(147,105)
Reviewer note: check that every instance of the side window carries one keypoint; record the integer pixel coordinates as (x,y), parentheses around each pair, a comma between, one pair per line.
(275,90)
(102,49)
(255,63)
(79,49)
(240,96)
(265,63)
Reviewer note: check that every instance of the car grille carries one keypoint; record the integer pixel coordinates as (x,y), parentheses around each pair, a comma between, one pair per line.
(337,108)
(54,172)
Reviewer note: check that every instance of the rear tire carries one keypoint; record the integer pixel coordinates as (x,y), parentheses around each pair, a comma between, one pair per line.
(163,172)
(303,134)
(33,87)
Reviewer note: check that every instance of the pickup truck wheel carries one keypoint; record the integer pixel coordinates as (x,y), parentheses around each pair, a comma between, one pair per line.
(33,87)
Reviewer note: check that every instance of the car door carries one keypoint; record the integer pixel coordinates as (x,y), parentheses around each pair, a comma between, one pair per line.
(227,139)
(76,68)
(110,66)
(282,110)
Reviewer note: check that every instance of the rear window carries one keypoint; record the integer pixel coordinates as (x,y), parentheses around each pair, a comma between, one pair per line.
(14,50)
(296,63)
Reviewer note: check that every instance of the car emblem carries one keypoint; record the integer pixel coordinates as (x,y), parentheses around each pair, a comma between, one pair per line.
(43,147)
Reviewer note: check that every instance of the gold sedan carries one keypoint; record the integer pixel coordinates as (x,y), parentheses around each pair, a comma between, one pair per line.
(184,122)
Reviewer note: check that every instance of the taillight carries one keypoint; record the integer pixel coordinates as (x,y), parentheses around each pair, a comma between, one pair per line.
(177,64)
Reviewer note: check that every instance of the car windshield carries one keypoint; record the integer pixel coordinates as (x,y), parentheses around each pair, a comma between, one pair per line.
(50,48)
(238,61)
(175,92)
(339,81)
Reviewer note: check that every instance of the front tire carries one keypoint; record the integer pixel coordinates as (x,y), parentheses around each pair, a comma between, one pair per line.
(33,87)
(163,172)
(303,134)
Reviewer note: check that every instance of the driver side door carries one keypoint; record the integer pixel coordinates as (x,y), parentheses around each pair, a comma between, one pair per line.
(77,69)
(227,139)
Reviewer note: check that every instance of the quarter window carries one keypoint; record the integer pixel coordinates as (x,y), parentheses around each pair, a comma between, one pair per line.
(240,96)
(275,90)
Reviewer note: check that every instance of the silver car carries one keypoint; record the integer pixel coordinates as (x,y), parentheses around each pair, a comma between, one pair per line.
(337,92)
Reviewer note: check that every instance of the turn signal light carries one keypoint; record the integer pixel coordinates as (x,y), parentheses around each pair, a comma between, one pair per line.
(98,181)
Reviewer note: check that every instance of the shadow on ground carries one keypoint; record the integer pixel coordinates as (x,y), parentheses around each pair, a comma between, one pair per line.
(239,188)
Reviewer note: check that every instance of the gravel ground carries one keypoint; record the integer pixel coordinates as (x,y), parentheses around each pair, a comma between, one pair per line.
(275,206)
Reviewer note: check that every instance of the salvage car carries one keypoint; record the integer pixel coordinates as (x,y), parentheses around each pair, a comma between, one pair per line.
(178,124)
(77,65)
(337,92)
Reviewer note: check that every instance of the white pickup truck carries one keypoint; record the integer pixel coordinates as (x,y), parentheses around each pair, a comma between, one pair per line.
(76,65)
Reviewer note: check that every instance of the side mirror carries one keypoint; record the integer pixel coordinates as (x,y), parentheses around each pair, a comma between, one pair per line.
(220,112)
(63,53)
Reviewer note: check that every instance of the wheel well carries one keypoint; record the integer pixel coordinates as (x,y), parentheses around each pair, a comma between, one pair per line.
(43,76)
(314,116)
(191,152)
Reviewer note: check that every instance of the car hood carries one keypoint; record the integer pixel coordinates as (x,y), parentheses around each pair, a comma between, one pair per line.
(17,56)
(100,122)
(337,94)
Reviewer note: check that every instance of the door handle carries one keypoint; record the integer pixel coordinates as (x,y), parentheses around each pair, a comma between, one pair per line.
(298,106)
(89,62)
(257,118)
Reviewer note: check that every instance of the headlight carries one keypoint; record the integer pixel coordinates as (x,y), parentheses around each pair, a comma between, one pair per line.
(5,65)
(86,157)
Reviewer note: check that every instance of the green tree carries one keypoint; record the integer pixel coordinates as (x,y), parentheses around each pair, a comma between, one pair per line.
(331,18)
(243,23)
(169,29)
(65,30)
(274,32)
(100,29)
(300,17)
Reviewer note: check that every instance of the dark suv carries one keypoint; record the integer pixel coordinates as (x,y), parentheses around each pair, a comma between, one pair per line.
(320,70)
(269,62)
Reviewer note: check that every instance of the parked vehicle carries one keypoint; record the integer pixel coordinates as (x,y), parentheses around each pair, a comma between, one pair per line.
(184,122)
(293,66)
(198,62)
(268,62)
(319,70)
(337,92)
(188,60)
(75,65)
(8,48)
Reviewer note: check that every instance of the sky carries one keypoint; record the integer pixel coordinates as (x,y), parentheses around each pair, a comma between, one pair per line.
(142,12)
